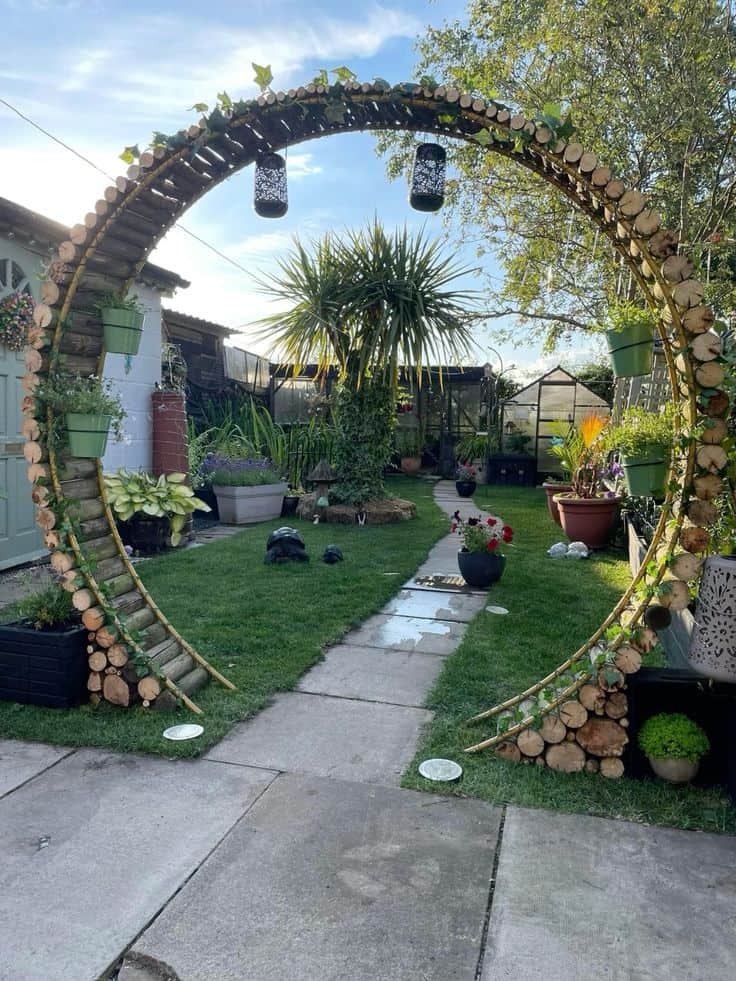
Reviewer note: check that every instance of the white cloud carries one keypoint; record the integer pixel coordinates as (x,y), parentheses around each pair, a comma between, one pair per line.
(571,359)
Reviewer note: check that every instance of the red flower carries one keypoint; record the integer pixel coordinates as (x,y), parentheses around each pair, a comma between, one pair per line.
(491,522)
(507,532)
(453,526)
(492,545)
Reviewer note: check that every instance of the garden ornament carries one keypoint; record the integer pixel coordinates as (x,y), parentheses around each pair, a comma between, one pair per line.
(332,555)
(558,550)
(284,544)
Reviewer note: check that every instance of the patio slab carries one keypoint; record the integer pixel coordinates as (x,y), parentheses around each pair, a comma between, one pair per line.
(94,847)
(579,897)
(327,737)
(338,882)
(373,675)
(414,634)
(22,761)
(435,605)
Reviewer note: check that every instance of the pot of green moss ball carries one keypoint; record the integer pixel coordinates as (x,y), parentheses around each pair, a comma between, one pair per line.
(674,746)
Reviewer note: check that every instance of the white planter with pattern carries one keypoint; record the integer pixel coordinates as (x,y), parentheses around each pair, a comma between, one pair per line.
(713,647)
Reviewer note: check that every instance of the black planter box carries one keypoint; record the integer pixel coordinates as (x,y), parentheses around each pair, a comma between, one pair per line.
(512,468)
(145,534)
(43,667)
(711,704)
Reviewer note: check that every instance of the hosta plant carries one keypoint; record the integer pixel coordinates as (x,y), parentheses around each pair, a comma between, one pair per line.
(132,492)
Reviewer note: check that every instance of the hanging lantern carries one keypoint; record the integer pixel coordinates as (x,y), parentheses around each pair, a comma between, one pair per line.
(270,196)
(428,178)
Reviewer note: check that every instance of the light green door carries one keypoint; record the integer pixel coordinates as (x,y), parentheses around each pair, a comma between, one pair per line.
(20,539)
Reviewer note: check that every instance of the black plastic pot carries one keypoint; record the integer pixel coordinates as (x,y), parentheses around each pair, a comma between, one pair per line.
(145,533)
(465,488)
(481,569)
(291,503)
(43,667)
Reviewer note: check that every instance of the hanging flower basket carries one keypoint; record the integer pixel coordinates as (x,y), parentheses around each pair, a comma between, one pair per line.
(16,317)
(123,329)
(87,434)
(629,338)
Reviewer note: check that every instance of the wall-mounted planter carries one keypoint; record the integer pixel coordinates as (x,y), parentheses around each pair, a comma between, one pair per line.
(646,473)
(43,667)
(631,351)
(247,505)
(87,434)
(123,330)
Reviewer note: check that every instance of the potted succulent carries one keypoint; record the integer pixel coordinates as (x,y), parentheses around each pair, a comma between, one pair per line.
(43,653)
(629,333)
(90,409)
(465,479)
(152,510)
(587,513)
(410,444)
(674,746)
(644,440)
(122,322)
(247,490)
(480,561)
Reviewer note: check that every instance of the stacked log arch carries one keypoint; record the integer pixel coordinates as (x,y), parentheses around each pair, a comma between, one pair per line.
(577,714)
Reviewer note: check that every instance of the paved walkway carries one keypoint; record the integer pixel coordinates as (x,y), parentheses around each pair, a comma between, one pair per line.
(290,852)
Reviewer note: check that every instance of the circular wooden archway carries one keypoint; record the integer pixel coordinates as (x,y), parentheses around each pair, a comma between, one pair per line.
(109,249)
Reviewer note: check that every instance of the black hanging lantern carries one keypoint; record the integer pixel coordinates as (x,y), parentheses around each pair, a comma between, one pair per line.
(428,178)
(270,196)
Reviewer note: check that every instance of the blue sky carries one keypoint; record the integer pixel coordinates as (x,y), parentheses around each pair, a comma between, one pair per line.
(101,75)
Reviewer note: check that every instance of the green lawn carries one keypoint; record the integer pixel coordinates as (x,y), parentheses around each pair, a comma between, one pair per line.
(262,626)
(554,604)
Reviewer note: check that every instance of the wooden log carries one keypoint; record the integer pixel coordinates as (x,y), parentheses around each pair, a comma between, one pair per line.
(689,293)
(97,661)
(32,451)
(83,599)
(149,687)
(611,767)
(119,585)
(37,471)
(109,568)
(164,652)
(553,729)
(530,742)
(674,595)
(117,655)
(676,269)
(631,203)
(129,603)
(153,635)
(647,222)
(49,292)
(71,580)
(80,488)
(627,659)
(166,701)
(610,678)
(592,766)
(600,177)
(509,752)
(694,539)
(714,431)
(707,346)
(74,469)
(602,737)
(52,539)
(573,152)
(117,690)
(565,757)
(140,619)
(42,315)
(708,486)
(587,163)
(93,618)
(178,666)
(573,714)
(712,458)
(33,362)
(614,190)
(699,319)
(686,566)
(40,495)
(29,428)
(617,705)
(702,513)
(94,682)
(106,636)
(45,519)
(644,639)
(663,244)
(592,698)
(712,406)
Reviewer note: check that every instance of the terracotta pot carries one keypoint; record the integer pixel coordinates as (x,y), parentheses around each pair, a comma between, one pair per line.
(713,643)
(550,490)
(411,465)
(675,771)
(588,520)
(480,569)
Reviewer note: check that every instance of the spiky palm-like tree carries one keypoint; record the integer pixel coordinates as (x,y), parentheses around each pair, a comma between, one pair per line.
(369,303)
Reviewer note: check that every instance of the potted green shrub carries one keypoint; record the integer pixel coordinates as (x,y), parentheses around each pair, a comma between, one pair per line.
(122,322)
(153,510)
(89,408)
(465,479)
(247,490)
(43,656)
(480,560)
(477,448)
(629,333)
(587,512)
(644,440)
(410,445)
(674,745)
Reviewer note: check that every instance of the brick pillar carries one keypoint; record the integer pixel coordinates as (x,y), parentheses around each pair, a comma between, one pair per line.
(169,433)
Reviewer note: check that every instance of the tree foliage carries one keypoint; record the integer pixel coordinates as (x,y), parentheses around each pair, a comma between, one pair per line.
(649,85)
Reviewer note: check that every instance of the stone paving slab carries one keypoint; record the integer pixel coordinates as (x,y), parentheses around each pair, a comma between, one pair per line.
(414,634)
(21,761)
(435,605)
(373,675)
(331,881)
(327,737)
(122,835)
(579,898)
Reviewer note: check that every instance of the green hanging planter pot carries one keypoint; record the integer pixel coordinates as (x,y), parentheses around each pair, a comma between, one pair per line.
(87,434)
(646,473)
(123,330)
(630,350)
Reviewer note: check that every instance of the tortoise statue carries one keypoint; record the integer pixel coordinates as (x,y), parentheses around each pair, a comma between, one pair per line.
(284,544)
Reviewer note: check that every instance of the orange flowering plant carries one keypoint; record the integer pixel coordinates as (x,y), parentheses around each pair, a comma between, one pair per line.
(585,449)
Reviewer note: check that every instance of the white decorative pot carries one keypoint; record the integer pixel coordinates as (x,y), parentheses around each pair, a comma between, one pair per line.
(713,643)
(675,771)
(248,505)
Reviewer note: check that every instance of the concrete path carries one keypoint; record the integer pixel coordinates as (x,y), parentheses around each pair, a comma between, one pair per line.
(290,853)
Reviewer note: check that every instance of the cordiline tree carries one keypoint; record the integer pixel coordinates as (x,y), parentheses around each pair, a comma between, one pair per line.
(368,303)
(649,85)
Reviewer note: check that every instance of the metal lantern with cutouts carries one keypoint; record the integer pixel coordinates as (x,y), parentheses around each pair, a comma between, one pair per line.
(270,197)
(428,178)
